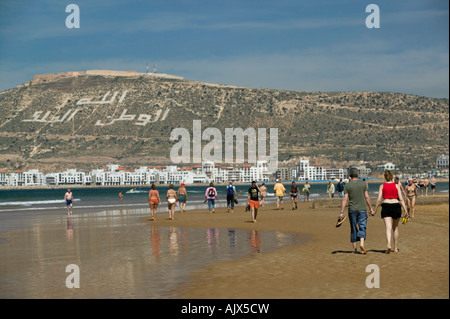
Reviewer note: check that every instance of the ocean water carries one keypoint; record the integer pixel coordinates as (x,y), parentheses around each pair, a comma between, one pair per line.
(49,201)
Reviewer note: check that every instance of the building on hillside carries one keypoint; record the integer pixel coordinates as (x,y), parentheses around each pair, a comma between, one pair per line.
(3,178)
(363,170)
(442,162)
(334,173)
(386,167)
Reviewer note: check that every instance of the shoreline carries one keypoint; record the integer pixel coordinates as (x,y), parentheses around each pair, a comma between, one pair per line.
(43,187)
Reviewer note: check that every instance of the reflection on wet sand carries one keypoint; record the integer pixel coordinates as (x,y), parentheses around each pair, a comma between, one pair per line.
(69,228)
(118,255)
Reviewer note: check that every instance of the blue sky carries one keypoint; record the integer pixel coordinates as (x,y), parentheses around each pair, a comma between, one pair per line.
(298,45)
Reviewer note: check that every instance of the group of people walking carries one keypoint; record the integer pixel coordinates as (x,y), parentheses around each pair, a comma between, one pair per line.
(392,197)
(172,197)
(255,198)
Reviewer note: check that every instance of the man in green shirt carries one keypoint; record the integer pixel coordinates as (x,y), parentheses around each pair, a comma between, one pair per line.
(356,194)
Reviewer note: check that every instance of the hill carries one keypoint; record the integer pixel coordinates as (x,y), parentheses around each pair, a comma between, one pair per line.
(85,121)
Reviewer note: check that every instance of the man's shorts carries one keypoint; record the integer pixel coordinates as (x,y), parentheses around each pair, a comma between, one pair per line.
(254,203)
(68,202)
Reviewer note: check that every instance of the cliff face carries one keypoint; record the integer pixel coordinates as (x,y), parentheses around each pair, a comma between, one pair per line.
(84,121)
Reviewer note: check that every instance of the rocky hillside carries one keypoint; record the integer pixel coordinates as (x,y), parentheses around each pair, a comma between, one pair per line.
(87,121)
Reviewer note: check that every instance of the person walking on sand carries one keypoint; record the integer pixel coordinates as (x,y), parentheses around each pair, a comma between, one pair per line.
(307,190)
(253,200)
(356,194)
(340,188)
(68,197)
(182,197)
(433,185)
(425,183)
(171,201)
(210,196)
(263,194)
(153,200)
(280,191)
(391,210)
(293,192)
(411,195)
(231,196)
(330,189)
(421,186)
(397,181)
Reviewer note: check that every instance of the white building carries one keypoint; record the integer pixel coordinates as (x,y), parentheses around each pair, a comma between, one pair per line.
(386,167)
(29,178)
(3,178)
(69,177)
(442,162)
(334,173)
(305,171)
(16,178)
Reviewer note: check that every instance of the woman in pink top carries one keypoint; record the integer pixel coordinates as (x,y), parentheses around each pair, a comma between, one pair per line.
(391,211)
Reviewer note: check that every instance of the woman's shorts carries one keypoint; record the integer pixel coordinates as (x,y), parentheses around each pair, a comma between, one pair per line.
(391,210)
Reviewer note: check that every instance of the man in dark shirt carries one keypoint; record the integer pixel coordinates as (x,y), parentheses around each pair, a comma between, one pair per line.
(253,200)
(340,188)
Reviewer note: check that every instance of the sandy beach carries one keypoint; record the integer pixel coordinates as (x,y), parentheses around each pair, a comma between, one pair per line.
(114,254)
(325,267)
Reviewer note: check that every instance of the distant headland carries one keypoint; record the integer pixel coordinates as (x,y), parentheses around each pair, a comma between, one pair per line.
(50,77)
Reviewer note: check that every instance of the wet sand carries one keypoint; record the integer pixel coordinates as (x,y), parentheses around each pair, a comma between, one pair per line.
(325,267)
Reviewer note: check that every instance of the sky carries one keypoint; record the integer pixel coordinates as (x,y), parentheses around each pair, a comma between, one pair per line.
(322,45)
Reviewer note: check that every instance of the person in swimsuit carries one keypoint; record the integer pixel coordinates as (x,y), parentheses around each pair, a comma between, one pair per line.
(263,189)
(68,197)
(397,181)
(425,184)
(172,198)
(421,186)
(411,194)
(182,197)
(294,193)
(153,200)
(391,210)
(433,185)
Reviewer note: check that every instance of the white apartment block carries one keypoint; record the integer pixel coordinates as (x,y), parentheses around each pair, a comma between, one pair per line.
(4,179)
(305,171)
(117,175)
(442,162)
(69,177)
(29,178)
(222,174)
